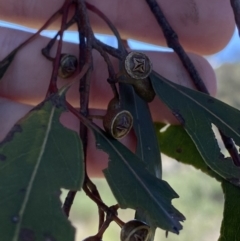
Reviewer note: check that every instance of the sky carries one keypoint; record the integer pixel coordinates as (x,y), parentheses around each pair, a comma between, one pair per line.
(230,54)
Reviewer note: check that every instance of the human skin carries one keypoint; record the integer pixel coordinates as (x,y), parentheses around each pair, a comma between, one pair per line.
(203,27)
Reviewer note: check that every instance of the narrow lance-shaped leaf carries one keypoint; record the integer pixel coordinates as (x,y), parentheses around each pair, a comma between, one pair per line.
(197,111)
(176,143)
(147,144)
(38,157)
(133,185)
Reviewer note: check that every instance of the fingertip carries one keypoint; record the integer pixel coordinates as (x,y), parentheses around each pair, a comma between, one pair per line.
(70,121)
(10,113)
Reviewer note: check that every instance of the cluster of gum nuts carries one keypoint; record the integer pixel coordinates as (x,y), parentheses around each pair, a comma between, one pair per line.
(135,71)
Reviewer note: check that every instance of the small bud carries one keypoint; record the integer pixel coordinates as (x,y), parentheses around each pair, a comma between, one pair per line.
(135,72)
(68,66)
(138,65)
(117,122)
(135,230)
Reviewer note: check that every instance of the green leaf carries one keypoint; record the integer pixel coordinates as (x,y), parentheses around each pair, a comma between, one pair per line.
(231,215)
(197,111)
(5,63)
(176,143)
(134,187)
(38,157)
(147,144)
(183,150)
(132,184)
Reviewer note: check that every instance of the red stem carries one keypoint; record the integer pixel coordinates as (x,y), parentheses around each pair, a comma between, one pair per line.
(53,82)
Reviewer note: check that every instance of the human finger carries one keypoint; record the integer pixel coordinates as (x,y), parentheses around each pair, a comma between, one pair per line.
(203,26)
(28,76)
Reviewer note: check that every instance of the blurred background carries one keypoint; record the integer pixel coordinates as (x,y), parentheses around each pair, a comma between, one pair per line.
(201,199)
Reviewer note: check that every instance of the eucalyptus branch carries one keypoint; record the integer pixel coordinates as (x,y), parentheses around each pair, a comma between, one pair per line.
(103,206)
(110,25)
(85,53)
(95,192)
(85,57)
(110,50)
(71,194)
(68,202)
(172,41)
(110,217)
(86,189)
(46,50)
(100,48)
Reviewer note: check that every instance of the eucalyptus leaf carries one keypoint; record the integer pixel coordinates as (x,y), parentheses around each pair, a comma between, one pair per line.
(176,143)
(39,157)
(183,150)
(231,215)
(147,144)
(134,186)
(5,63)
(196,112)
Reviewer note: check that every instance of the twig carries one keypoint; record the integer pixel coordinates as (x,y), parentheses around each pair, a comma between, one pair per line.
(46,50)
(89,193)
(110,25)
(71,194)
(103,206)
(229,145)
(95,192)
(172,41)
(111,71)
(112,51)
(53,82)
(236,10)
(80,17)
(31,38)
(101,48)
(85,51)
(85,55)
(68,202)
(110,216)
